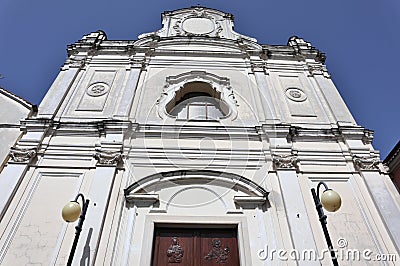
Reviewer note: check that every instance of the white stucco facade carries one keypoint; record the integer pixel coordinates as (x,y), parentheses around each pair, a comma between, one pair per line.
(105,129)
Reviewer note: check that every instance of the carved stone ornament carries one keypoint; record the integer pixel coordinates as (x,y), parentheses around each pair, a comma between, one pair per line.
(108,157)
(217,252)
(97,89)
(296,94)
(22,155)
(197,23)
(285,161)
(367,162)
(177,27)
(175,251)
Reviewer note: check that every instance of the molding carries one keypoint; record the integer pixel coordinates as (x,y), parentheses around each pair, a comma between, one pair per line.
(299,133)
(148,199)
(194,176)
(305,50)
(243,200)
(217,83)
(89,43)
(172,80)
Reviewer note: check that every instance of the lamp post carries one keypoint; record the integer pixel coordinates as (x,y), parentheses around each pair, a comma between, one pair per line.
(331,201)
(70,213)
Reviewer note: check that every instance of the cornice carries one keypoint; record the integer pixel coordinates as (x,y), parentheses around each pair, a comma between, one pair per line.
(305,50)
(306,134)
(215,131)
(97,44)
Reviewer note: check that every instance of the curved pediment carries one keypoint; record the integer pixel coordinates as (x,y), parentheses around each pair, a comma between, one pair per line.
(197,177)
(197,21)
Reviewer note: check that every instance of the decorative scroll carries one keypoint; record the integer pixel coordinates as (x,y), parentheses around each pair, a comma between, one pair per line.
(22,155)
(285,161)
(367,162)
(175,251)
(218,253)
(108,157)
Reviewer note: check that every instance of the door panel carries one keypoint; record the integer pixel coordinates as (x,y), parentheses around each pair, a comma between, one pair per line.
(219,246)
(195,247)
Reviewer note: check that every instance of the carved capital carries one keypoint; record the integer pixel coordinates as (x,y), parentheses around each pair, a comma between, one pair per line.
(285,161)
(108,157)
(258,67)
(138,63)
(366,162)
(19,155)
(76,63)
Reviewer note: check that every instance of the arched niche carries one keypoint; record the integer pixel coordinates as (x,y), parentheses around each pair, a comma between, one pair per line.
(205,91)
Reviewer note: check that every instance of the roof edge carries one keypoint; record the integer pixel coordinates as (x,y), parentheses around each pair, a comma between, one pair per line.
(17,99)
(392,154)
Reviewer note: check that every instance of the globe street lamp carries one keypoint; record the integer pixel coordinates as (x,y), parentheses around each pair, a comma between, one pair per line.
(331,201)
(70,213)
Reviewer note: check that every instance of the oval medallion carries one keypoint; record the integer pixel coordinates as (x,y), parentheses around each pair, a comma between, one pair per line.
(198,25)
(97,89)
(296,94)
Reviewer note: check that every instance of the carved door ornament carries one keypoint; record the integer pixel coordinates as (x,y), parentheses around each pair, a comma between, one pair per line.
(175,251)
(218,253)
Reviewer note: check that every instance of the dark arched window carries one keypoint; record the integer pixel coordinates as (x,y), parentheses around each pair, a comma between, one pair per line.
(197,101)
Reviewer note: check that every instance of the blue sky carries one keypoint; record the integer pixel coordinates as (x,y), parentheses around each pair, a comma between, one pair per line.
(360,38)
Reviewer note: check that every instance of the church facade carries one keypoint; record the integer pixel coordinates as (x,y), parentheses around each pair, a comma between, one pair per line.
(195,145)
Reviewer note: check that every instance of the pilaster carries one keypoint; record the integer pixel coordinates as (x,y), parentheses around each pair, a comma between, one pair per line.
(299,225)
(108,159)
(387,204)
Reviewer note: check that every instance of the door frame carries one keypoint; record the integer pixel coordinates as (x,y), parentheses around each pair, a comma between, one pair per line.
(229,220)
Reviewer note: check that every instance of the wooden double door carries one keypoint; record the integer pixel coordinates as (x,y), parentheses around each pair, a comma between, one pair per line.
(195,247)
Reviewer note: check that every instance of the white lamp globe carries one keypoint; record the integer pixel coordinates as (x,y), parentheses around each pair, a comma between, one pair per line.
(71,211)
(331,200)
